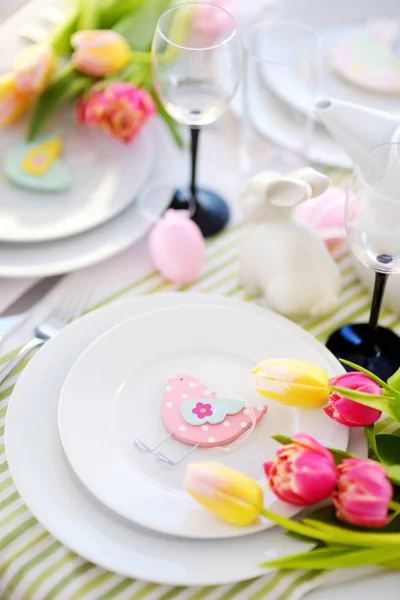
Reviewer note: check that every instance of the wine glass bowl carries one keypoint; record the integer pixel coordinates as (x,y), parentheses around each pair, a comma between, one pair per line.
(373,228)
(191,44)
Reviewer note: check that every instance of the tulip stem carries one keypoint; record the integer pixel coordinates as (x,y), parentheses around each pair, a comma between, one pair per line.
(395,506)
(141,57)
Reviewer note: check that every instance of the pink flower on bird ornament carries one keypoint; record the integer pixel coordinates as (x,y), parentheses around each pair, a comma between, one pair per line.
(202,410)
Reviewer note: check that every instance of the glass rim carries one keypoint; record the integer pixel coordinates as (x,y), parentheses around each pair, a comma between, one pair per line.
(270,21)
(358,173)
(193,49)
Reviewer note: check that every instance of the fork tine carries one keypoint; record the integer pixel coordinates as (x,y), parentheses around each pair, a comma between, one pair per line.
(72,301)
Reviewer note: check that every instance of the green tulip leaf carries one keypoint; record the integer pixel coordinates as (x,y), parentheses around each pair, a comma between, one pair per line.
(337,558)
(394,381)
(393,472)
(377,380)
(114,10)
(138,26)
(60,37)
(89,15)
(388,449)
(171,124)
(66,87)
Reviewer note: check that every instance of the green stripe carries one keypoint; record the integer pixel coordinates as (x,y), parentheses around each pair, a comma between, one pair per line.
(219,283)
(2,431)
(309,576)
(117,589)
(91,585)
(6,357)
(16,533)
(9,500)
(172,593)
(147,589)
(236,589)
(62,584)
(3,412)
(219,251)
(30,591)
(209,273)
(320,320)
(235,290)
(14,555)
(124,290)
(5,393)
(24,570)
(5,484)
(271,585)
(200,594)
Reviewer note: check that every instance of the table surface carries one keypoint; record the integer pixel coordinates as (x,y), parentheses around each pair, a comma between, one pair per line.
(132,266)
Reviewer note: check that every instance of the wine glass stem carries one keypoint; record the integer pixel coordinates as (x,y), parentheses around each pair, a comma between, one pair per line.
(194,138)
(379,289)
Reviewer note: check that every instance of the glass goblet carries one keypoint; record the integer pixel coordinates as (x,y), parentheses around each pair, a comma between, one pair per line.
(196,64)
(373,229)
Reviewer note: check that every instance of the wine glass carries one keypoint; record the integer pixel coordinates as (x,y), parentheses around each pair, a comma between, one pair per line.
(373,229)
(196,63)
(282,82)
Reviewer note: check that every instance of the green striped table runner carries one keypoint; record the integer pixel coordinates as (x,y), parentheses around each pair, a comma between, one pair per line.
(35,566)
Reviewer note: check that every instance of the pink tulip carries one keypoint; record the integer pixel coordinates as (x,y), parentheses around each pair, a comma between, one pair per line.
(363,493)
(100,52)
(303,472)
(120,109)
(346,411)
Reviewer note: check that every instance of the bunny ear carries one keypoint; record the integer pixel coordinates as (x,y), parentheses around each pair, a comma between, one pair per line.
(287,192)
(318,181)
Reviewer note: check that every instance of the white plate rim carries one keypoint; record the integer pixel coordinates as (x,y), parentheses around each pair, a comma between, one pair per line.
(136,512)
(83,546)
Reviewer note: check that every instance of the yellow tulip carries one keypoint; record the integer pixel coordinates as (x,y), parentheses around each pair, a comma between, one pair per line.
(100,52)
(34,67)
(227,493)
(291,382)
(12,101)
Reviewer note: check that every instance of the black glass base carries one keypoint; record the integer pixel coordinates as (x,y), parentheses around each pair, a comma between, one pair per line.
(378,351)
(211,214)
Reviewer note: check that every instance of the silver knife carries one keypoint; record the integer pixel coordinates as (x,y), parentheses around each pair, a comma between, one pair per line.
(17,312)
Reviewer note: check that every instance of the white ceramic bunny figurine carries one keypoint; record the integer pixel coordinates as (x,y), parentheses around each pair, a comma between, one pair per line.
(282,259)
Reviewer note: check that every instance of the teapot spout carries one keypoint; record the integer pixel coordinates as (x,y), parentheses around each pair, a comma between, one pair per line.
(358,128)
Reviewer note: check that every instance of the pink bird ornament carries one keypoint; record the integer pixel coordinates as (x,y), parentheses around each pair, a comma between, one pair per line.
(197,416)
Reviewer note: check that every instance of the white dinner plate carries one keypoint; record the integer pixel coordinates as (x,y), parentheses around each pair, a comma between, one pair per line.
(120,385)
(106,177)
(43,259)
(106,174)
(333,26)
(57,499)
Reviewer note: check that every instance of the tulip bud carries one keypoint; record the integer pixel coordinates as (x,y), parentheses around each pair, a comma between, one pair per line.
(346,411)
(291,382)
(303,472)
(12,102)
(363,493)
(227,493)
(34,68)
(100,52)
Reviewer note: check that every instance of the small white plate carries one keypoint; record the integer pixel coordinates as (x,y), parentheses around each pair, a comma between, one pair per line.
(43,259)
(334,86)
(116,390)
(106,174)
(63,506)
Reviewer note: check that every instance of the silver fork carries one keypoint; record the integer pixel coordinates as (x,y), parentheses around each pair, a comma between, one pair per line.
(71,306)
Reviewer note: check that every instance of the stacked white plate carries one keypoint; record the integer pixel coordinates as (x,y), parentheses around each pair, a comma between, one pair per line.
(277,118)
(44,234)
(100,383)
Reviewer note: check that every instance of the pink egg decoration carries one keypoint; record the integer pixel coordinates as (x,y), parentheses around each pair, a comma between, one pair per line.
(177,247)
